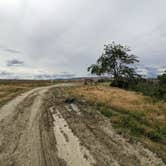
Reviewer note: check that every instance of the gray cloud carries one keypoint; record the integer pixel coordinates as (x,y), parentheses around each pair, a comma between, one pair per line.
(43,76)
(5,73)
(15,62)
(55,76)
(151,70)
(10,50)
(60,35)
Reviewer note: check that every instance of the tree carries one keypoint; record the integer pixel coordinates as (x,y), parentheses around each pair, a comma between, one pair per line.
(162,78)
(117,61)
(95,69)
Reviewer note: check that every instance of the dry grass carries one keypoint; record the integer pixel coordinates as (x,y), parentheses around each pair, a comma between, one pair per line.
(124,101)
(129,112)
(9,92)
(11,88)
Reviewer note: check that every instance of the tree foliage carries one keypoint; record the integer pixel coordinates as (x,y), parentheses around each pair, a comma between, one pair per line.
(155,88)
(116,61)
(162,78)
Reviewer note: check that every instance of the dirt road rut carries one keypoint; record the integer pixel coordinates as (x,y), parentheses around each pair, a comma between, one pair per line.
(36,131)
(25,138)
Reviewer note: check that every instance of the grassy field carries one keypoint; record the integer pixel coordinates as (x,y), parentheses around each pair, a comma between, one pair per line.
(11,88)
(131,113)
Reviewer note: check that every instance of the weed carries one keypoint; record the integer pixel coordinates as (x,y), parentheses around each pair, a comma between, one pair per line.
(107,113)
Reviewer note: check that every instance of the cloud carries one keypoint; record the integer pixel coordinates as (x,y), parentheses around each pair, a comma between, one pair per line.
(142,71)
(55,76)
(15,62)
(67,36)
(9,50)
(12,51)
(24,72)
(151,71)
(161,70)
(5,73)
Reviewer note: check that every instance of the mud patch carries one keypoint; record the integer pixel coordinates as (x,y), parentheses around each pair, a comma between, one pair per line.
(95,132)
(73,108)
(69,149)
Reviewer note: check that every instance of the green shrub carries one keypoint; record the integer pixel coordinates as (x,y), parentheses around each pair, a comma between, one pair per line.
(132,125)
(155,136)
(107,113)
(148,88)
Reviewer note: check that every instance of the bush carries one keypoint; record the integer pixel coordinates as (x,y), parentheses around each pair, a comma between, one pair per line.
(107,113)
(153,88)
(155,136)
(120,84)
(130,123)
(162,78)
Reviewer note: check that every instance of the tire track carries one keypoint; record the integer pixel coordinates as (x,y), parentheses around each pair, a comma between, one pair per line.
(25,139)
(68,144)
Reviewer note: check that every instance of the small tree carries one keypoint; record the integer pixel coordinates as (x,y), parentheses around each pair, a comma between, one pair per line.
(117,61)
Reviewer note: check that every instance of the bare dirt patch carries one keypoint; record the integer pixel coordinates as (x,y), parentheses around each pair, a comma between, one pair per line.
(31,134)
(68,144)
(130,113)
(26,136)
(95,132)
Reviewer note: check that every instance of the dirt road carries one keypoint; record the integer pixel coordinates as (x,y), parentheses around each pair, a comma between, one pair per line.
(39,128)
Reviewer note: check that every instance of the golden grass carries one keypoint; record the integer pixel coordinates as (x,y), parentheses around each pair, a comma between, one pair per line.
(123,100)
(140,115)
(11,88)
(8,92)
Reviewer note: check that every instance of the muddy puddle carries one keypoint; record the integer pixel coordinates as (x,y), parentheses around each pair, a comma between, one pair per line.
(68,144)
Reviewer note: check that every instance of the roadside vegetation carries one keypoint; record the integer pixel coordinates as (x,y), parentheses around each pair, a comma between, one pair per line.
(155,88)
(116,61)
(141,114)
(132,114)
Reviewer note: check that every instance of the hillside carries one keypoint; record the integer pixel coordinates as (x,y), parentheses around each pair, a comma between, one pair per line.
(130,113)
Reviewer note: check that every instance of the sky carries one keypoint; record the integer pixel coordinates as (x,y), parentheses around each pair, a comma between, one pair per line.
(42,39)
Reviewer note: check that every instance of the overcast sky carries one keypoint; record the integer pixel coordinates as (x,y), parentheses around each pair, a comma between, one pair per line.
(39,38)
